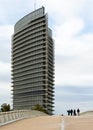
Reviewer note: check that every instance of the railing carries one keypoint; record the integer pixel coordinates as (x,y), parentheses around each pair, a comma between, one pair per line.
(9,117)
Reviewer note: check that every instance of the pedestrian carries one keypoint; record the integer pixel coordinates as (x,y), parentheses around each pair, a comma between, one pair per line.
(71,112)
(74,112)
(68,111)
(78,111)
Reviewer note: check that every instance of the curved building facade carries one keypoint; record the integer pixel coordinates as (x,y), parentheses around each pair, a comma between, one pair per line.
(33,62)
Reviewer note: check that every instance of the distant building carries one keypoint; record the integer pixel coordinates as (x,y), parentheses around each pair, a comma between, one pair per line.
(33,62)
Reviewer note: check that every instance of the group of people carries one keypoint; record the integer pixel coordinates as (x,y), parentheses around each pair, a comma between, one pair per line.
(73,112)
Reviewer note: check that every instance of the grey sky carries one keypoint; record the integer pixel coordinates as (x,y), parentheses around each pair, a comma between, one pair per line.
(72,25)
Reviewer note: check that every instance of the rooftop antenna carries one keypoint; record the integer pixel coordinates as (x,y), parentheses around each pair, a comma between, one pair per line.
(34,4)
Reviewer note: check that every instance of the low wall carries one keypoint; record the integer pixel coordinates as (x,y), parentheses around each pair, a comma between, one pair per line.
(8,117)
(87,113)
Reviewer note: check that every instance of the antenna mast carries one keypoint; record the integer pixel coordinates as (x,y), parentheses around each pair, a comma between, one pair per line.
(34,4)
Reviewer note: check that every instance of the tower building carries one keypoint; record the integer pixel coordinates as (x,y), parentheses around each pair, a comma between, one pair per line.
(33,62)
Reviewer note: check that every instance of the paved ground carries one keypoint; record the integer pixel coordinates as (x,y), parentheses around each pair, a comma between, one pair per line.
(79,123)
(52,123)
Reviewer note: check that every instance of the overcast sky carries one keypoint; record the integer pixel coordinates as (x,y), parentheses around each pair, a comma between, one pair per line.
(72,25)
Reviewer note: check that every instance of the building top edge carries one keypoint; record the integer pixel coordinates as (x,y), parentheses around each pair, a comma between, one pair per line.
(28,18)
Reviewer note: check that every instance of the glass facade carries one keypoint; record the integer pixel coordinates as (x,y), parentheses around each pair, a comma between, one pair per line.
(33,62)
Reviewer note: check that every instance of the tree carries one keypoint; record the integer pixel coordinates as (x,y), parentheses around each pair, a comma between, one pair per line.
(40,108)
(5,107)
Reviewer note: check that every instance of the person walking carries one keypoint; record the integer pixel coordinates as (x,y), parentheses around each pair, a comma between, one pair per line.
(78,111)
(71,112)
(74,112)
(68,111)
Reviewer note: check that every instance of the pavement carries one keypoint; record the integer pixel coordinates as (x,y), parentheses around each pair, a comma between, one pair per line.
(52,123)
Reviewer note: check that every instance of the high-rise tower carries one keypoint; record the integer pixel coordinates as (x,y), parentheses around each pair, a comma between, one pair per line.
(33,62)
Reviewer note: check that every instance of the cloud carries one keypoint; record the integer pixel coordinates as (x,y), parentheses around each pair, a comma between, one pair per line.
(62,107)
(6,32)
(73,97)
(72,23)
(74,53)
(5,93)
(74,61)
(12,11)
(5,69)
(5,65)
